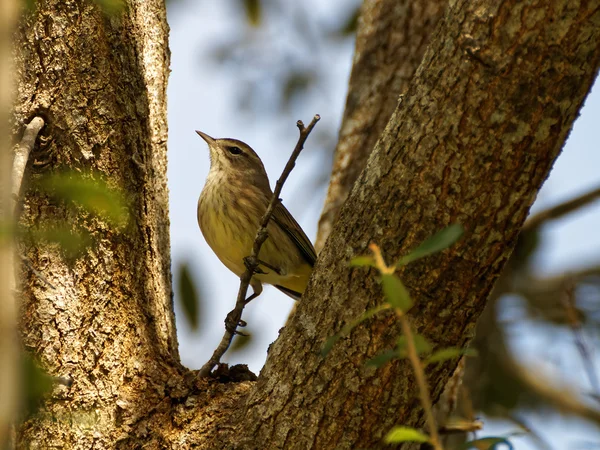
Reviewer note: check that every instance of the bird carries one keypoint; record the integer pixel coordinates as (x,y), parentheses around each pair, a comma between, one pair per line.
(234,199)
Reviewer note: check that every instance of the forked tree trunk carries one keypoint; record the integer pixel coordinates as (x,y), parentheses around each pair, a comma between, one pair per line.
(472,141)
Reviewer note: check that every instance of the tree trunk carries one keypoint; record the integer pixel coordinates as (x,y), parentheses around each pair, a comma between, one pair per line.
(474,138)
(472,142)
(99,79)
(391,40)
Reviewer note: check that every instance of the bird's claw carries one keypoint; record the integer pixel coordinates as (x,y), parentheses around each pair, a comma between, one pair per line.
(231,325)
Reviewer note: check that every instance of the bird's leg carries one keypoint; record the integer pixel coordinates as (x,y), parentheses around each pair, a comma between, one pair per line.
(231,325)
(256,287)
(252,262)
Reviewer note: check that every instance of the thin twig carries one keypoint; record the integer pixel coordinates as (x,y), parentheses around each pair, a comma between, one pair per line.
(252,262)
(424,394)
(21,157)
(521,422)
(562,209)
(37,273)
(413,356)
(584,352)
(462,426)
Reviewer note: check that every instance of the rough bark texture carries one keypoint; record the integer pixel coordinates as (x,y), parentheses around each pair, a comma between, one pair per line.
(391,40)
(472,142)
(100,81)
(475,137)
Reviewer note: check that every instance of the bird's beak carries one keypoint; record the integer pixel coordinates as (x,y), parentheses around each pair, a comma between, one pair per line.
(210,141)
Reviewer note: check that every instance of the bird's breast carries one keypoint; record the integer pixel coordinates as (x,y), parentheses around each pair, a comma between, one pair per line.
(229,218)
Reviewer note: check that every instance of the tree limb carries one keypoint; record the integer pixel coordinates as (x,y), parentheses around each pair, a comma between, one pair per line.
(21,157)
(473,140)
(391,39)
(561,210)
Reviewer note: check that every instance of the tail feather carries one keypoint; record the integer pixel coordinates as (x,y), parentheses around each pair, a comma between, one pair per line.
(295,295)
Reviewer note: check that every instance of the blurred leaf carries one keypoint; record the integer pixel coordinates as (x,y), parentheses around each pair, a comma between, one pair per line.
(30,5)
(188,295)
(241,342)
(422,345)
(395,292)
(72,242)
(6,231)
(111,7)
(450,353)
(528,243)
(438,242)
(351,24)
(383,358)
(405,434)
(486,443)
(36,384)
(329,343)
(362,261)
(253,11)
(94,195)
(297,83)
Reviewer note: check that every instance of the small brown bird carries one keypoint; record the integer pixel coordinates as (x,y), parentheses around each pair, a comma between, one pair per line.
(234,199)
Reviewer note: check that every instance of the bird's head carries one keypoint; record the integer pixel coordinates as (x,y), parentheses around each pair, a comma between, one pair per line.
(233,158)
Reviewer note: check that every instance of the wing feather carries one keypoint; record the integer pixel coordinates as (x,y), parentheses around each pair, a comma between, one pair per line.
(282,217)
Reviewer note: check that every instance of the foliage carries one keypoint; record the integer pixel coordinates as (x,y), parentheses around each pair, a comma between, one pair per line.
(188,295)
(411,345)
(405,434)
(89,191)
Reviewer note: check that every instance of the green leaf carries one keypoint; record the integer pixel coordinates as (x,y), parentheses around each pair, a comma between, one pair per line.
(253,11)
(72,242)
(395,292)
(188,295)
(6,231)
(487,443)
(295,86)
(90,192)
(383,358)
(422,345)
(405,434)
(329,343)
(450,353)
(111,7)
(351,23)
(438,242)
(35,383)
(241,341)
(362,261)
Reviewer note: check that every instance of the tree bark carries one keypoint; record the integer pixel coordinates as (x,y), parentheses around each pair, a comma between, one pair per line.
(391,40)
(475,136)
(99,79)
(472,142)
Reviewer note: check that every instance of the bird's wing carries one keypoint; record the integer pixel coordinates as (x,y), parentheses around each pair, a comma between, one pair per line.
(283,218)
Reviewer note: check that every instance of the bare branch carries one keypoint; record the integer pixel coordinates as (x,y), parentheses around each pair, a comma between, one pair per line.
(22,156)
(252,262)
(584,351)
(561,210)
(37,273)
(424,394)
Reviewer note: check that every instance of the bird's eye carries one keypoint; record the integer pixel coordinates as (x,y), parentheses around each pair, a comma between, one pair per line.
(234,150)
